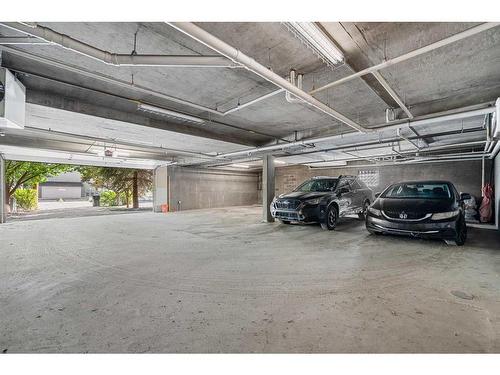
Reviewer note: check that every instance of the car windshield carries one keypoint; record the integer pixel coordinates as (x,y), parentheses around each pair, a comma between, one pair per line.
(320,185)
(425,190)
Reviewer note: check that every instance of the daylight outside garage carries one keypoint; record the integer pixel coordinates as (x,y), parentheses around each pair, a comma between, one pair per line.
(250,187)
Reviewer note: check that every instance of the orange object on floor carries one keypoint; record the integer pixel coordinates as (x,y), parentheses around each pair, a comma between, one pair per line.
(164,208)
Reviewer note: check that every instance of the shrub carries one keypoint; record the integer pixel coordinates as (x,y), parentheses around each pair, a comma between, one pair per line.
(109,198)
(27,199)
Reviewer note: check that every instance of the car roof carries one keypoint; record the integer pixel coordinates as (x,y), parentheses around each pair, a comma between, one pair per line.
(330,177)
(424,182)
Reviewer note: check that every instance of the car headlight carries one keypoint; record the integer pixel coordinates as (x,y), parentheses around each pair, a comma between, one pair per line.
(445,215)
(374,211)
(313,201)
(272,207)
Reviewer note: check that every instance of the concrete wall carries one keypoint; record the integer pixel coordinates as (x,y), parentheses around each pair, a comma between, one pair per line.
(466,175)
(201,188)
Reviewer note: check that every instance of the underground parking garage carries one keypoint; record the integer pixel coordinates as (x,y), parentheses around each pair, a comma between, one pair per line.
(332,188)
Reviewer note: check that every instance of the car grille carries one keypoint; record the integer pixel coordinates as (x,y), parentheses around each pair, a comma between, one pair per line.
(287,215)
(287,204)
(410,215)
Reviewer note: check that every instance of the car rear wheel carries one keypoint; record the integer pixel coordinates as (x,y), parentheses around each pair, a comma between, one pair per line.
(461,236)
(362,215)
(331,217)
(285,222)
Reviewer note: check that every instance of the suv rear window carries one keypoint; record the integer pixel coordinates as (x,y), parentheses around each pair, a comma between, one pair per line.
(420,190)
(319,185)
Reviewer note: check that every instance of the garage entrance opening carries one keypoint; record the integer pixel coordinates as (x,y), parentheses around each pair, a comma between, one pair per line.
(46,190)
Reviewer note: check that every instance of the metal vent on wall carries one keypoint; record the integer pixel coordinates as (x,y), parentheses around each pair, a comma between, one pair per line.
(369,177)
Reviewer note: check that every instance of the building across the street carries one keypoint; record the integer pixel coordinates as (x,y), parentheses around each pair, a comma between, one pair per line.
(65,186)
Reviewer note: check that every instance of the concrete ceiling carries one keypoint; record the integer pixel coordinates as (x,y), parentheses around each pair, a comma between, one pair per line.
(460,74)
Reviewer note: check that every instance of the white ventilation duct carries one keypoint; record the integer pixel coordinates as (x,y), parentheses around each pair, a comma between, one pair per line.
(12,101)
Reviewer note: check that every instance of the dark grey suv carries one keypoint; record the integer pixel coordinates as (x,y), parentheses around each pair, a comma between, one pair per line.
(323,200)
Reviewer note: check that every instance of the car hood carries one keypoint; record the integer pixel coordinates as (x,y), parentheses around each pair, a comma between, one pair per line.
(414,205)
(303,195)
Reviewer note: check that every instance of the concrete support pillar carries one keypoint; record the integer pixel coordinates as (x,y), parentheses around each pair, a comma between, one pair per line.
(160,188)
(3,211)
(268,190)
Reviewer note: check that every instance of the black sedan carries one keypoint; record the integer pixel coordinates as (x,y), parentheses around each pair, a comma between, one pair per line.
(430,209)
(323,200)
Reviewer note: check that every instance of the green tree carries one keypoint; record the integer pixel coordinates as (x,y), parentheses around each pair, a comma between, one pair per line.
(26,199)
(126,183)
(29,174)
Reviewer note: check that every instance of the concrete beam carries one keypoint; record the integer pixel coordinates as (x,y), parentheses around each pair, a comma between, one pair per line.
(267,186)
(17,40)
(353,43)
(3,210)
(409,55)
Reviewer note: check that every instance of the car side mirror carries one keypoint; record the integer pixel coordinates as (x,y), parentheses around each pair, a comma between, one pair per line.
(464,196)
(343,190)
(377,194)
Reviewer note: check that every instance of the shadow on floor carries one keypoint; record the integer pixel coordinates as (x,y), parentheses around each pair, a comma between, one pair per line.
(476,234)
(75,212)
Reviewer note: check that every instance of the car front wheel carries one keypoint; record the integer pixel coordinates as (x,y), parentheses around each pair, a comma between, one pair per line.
(461,236)
(362,214)
(331,218)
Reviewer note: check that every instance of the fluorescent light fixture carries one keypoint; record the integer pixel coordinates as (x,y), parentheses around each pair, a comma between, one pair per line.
(240,166)
(331,163)
(313,37)
(276,161)
(168,113)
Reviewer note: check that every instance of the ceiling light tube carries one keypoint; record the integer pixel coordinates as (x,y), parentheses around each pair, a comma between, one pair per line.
(311,35)
(168,113)
(240,166)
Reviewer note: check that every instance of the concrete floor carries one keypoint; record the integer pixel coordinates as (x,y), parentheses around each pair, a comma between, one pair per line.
(221,281)
(73,212)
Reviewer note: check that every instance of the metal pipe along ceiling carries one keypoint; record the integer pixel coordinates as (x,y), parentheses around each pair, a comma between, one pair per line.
(237,56)
(109,58)
(282,146)
(132,86)
(107,79)
(452,39)
(387,164)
